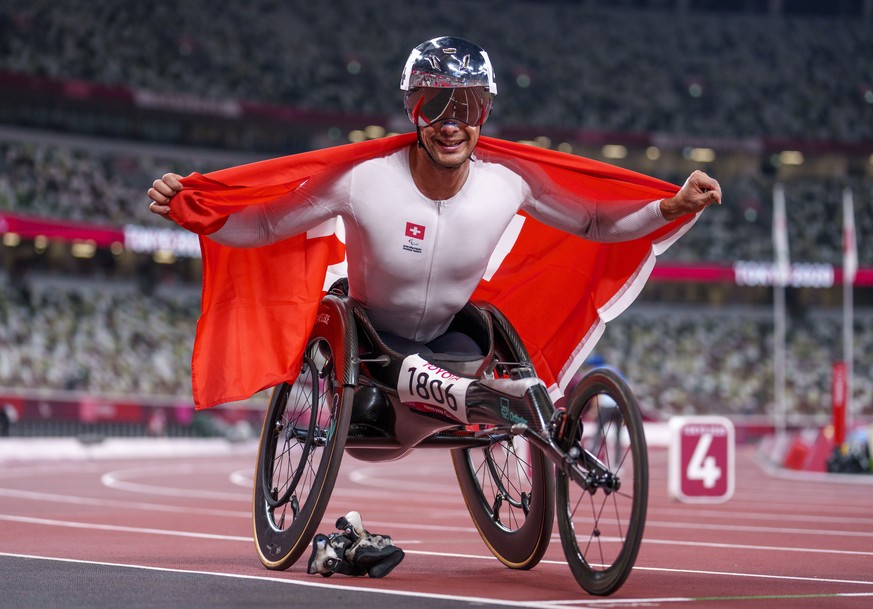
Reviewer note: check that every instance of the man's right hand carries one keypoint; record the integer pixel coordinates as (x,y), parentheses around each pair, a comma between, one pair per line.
(162,191)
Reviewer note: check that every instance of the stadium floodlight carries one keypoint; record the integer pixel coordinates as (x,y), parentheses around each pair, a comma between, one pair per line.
(791,157)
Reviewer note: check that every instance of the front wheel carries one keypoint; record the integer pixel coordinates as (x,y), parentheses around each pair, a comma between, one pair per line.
(300,451)
(601,519)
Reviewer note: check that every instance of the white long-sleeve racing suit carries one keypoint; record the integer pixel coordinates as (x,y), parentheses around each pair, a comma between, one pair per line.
(412,261)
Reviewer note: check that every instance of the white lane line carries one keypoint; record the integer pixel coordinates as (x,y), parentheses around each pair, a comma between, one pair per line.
(579,603)
(123,480)
(647,602)
(737,546)
(386,525)
(119,480)
(671,570)
(199,511)
(191,534)
(421,478)
(732,546)
(753,529)
(243,478)
(120,529)
(8,472)
(799,578)
(296,582)
(127,505)
(782,517)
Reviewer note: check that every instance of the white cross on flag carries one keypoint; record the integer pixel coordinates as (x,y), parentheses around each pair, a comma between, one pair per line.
(416,231)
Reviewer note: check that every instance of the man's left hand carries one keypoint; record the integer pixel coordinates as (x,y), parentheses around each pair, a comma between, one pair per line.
(699,192)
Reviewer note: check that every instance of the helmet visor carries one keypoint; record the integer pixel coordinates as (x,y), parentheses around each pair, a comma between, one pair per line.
(428,105)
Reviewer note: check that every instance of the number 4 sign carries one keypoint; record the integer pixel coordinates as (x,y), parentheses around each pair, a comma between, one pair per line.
(701,459)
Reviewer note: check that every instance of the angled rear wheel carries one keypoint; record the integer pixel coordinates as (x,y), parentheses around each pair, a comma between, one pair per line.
(509,486)
(300,451)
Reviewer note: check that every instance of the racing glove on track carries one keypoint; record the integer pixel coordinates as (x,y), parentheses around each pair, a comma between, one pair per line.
(353,551)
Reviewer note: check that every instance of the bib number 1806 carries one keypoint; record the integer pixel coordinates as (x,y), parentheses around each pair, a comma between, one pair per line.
(422,382)
(429,389)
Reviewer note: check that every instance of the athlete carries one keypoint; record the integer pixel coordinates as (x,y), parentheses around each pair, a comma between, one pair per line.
(450,205)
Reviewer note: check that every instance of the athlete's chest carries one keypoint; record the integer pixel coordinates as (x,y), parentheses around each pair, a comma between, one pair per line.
(395,220)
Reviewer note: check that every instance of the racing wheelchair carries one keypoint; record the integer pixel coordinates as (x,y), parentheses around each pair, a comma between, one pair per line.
(519,459)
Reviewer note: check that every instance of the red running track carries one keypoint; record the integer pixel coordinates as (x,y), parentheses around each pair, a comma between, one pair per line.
(781,542)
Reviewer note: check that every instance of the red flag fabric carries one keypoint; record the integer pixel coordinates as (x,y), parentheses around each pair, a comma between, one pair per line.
(259,304)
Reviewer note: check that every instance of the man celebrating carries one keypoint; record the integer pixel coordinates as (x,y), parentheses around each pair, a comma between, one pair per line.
(428,219)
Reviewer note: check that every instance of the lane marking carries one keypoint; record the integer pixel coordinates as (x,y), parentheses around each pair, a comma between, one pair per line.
(121,529)
(121,480)
(811,518)
(296,582)
(118,479)
(199,511)
(738,546)
(754,529)
(117,503)
(623,602)
(127,529)
(758,576)
(580,603)
(423,484)
(672,570)
(784,596)
(243,478)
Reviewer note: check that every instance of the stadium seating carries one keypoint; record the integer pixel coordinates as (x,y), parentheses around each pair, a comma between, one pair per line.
(105,330)
(615,70)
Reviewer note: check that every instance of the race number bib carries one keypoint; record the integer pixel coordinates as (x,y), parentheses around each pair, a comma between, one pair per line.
(425,386)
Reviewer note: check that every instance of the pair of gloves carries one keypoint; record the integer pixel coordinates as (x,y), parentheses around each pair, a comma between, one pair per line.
(353,551)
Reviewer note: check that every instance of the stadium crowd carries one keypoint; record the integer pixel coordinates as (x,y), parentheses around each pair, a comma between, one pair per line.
(79,182)
(740,80)
(95,337)
(620,70)
(685,360)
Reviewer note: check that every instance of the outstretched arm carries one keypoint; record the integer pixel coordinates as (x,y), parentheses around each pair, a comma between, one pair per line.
(299,210)
(623,221)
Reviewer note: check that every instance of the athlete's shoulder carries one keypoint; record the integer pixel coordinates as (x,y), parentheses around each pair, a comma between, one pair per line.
(395,158)
(493,170)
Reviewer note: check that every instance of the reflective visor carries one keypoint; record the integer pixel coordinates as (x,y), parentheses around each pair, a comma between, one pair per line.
(427,105)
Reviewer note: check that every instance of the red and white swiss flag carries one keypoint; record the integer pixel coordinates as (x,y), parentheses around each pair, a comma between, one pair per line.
(416,231)
(557,290)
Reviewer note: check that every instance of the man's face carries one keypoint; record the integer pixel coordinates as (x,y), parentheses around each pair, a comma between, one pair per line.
(449,143)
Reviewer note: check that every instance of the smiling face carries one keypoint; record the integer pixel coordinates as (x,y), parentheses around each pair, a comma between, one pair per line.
(449,143)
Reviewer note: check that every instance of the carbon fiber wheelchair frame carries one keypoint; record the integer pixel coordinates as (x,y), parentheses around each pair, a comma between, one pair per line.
(517,457)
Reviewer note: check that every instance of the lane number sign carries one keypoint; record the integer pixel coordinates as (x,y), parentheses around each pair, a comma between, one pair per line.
(701,459)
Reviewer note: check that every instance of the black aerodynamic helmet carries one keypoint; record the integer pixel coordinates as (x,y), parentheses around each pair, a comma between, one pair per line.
(448,78)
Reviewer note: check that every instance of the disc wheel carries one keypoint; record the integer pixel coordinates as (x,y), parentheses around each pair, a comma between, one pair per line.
(509,486)
(299,456)
(509,490)
(601,521)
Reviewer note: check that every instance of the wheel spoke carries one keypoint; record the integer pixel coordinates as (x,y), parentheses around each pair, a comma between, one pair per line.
(509,486)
